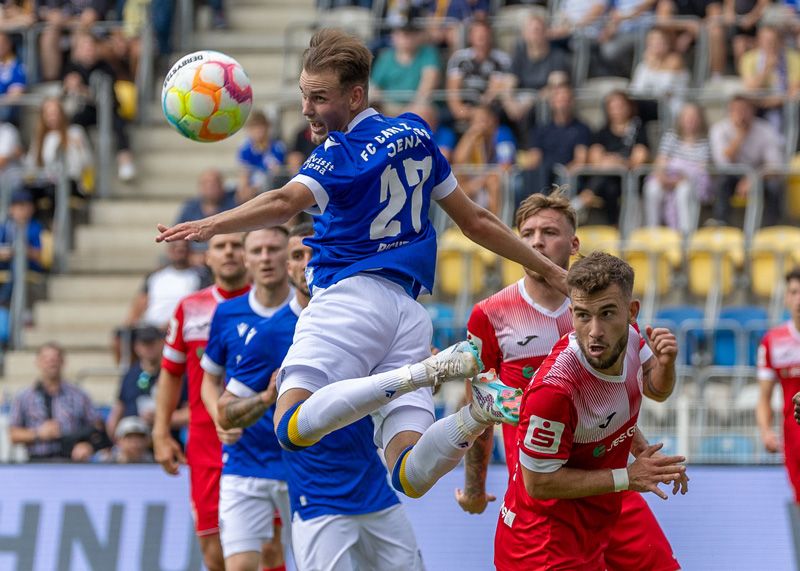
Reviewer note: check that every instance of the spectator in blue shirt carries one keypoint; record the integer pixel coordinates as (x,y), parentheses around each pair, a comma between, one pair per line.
(260,157)
(20,212)
(12,77)
(489,148)
(565,141)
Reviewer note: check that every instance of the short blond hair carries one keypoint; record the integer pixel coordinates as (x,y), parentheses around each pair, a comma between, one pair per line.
(556,200)
(337,51)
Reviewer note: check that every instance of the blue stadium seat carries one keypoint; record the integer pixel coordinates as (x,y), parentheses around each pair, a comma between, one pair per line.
(739,327)
(729,447)
(5,326)
(682,319)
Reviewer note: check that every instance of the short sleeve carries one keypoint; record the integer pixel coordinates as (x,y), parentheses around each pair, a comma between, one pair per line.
(254,370)
(505,146)
(445,181)
(764,362)
(546,429)
(174,355)
(455,63)
(428,57)
(320,176)
(481,332)
(215,355)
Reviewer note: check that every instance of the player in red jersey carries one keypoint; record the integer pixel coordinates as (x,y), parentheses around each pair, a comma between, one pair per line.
(186,340)
(577,423)
(779,361)
(515,329)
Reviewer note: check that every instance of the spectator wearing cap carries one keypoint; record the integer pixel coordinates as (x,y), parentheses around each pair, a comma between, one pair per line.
(408,71)
(20,215)
(261,157)
(55,419)
(136,395)
(132,443)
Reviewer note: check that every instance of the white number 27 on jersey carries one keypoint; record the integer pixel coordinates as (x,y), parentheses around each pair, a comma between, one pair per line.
(393,189)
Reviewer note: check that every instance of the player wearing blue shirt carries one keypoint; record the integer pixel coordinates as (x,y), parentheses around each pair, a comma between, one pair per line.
(370,183)
(260,156)
(253,483)
(345,514)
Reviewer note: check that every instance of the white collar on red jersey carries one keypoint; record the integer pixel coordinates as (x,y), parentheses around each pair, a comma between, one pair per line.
(573,341)
(543,310)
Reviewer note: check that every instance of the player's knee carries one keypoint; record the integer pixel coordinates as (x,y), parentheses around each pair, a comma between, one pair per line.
(287,431)
(400,478)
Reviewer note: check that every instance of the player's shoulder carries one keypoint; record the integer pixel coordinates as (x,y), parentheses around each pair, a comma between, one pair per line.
(503,299)
(234,305)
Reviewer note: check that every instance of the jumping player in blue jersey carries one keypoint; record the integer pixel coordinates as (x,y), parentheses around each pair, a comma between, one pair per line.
(345,514)
(253,482)
(370,184)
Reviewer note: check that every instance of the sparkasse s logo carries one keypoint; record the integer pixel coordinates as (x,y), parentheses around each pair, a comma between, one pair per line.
(543,436)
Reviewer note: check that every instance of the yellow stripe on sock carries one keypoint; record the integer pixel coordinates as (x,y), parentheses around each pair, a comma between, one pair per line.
(407,487)
(294,433)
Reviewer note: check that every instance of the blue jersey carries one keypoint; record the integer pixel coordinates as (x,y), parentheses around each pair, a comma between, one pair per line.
(373,187)
(342,473)
(257,453)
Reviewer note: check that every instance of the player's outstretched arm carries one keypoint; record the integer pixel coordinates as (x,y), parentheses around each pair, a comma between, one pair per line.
(167,451)
(474,499)
(658,373)
(484,228)
(270,208)
(643,475)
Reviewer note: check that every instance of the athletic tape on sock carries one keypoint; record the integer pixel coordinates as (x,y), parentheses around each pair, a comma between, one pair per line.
(399,479)
(287,431)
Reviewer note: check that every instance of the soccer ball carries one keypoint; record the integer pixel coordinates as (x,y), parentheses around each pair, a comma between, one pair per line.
(206,96)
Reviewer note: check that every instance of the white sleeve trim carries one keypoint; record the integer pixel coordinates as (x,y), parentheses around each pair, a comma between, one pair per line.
(444,188)
(174,355)
(539,465)
(766,374)
(239,389)
(320,194)
(210,366)
(645,353)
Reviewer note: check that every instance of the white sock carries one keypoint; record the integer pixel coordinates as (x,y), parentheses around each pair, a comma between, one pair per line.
(338,404)
(440,449)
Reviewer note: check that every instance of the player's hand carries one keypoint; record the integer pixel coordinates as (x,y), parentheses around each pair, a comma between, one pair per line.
(472,503)
(650,469)
(168,453)
(664,345)
(771,441)
(681,484)
(270,394)
(796,403)
(558,279)
(194,230)
(228,436)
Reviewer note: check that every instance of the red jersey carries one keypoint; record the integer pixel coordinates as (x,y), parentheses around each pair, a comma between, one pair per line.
(779,360)
(514,334)
(571,416)
(187,337)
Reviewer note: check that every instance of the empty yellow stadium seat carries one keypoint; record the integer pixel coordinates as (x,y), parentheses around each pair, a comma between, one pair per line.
(598,237)
(714,256)
(654,253)
(455,252)
(774,252)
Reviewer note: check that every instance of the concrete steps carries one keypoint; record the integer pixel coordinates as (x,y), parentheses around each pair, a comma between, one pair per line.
(79,314)
(93,339)
(68,288)
(134,212)
(111,263)
(95,366)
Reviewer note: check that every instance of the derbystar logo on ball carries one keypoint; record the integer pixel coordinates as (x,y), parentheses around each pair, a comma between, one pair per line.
(206,96)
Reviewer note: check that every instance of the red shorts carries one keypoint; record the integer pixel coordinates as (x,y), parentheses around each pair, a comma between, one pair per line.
(637,541)
(204,488)
(512,451)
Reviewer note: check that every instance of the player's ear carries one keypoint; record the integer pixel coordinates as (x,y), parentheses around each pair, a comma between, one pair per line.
(358,94)
(634,310)
(576,245)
